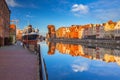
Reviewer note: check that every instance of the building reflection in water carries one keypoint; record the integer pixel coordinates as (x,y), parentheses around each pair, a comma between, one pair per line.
(52,47)
(93,53)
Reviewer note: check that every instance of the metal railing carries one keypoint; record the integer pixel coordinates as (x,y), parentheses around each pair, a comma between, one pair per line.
(42,66)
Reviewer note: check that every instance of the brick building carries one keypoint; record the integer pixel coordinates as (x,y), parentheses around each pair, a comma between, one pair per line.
(4,23)
(51,31)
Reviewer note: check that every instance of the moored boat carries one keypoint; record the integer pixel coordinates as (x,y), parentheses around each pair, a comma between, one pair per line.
(30,40)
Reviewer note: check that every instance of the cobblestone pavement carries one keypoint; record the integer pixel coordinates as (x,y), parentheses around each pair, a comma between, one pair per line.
(17,63)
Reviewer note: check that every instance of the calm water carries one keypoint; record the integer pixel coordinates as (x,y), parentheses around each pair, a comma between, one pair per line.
(77,62)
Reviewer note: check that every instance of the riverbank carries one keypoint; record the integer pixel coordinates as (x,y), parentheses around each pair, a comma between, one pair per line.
(113,44)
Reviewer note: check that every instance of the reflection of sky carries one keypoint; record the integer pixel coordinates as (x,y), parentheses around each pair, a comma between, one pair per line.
(66,67)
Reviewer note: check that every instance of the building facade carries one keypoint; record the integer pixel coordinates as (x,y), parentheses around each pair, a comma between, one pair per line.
(117,30)
(109,28)
(13,33)
(4,23)
(51,31)
(19,34)
(100,32)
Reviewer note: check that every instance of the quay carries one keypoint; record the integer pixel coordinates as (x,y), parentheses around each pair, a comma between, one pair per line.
(18,63)
(113,44)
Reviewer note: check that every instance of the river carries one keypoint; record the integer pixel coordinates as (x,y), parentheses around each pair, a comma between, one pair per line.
(77,62)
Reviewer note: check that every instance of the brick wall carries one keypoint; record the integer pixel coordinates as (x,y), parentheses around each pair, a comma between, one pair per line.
(4,21)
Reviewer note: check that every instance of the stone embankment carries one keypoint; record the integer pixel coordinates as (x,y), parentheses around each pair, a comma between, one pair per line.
(91,42)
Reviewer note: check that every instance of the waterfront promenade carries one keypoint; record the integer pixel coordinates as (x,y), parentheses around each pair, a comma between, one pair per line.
(18,63)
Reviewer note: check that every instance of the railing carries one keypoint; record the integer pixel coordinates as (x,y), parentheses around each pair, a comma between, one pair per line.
(42,71)
(42,66)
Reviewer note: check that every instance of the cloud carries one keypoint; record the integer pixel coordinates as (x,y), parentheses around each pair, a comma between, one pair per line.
(101,4)
(105,12)
(12,3)
(80,9)
(29,16)
(98,10)
(79,68)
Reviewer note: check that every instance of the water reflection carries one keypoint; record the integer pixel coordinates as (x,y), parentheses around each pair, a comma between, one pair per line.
(52,47)
(78,62)
(93,53)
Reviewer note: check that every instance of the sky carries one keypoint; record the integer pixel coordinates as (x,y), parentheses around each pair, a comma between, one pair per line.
(40,13)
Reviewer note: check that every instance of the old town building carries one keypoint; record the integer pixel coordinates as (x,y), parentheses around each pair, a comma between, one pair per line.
(109,29)
(4,23)
(88,31)
(80,32)
(117,30)
(100,31)
(19,34)
(74,31)
(13,33)
(51,31)
(61,32)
